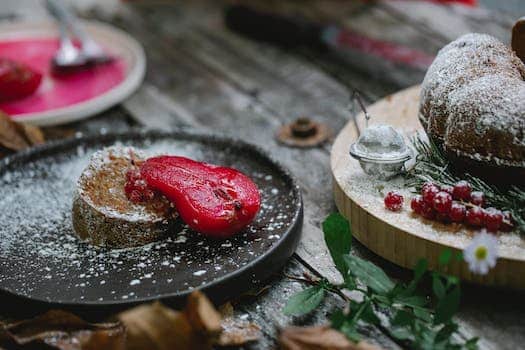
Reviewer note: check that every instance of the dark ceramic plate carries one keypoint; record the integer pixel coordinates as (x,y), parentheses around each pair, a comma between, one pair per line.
(41,259)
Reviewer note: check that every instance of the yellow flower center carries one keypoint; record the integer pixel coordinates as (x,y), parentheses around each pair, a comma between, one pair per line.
(481,253)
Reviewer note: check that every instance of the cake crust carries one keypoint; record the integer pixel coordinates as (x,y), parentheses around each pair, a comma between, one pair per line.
(473,104)
(102,214)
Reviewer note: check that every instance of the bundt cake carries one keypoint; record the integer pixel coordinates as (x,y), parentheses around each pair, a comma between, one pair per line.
(102,213)
(473,106)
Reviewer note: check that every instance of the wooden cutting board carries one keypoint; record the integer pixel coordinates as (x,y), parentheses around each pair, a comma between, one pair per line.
(403,237)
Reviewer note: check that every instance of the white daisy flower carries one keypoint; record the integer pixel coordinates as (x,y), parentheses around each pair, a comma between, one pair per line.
(482,252)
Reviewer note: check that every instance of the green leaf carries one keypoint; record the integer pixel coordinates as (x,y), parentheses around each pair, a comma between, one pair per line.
(369,316)
(369,274)
(401,325)
(419,271)
(401,333)
(401,318)
(338,238)
(447,306)
(304,301)
(337,319)
(350,330)
(423,314)
(472,344)
(446,332)
(437,286)
(445,256)
(413,300)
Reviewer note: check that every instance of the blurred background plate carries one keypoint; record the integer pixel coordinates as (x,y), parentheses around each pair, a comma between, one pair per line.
(131,63)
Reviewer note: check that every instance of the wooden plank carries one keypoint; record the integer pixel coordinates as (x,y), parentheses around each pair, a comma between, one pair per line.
(217,105)
(491,345)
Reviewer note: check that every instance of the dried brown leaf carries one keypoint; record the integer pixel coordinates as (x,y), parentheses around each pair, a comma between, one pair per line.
(62,331)
(32,134)
(156,327)
(318,338)
(236,332)
(10,136)
(202,314)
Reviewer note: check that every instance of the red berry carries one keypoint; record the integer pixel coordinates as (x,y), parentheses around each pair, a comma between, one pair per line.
(393,201)
(136,188)
(133,175)
(493,219)
(135,196)
(427,211)
(428,184)
(457,212)
(429,192)
(416,203)
(462,190)
(475,216)
(477,198)
(442,202)
(507,224)
(448,189)
(17,80)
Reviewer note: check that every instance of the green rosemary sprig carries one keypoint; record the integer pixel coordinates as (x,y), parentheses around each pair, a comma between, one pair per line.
(432,165)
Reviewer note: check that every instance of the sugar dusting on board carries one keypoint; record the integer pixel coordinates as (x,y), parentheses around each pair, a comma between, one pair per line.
(39,251)
(369,193)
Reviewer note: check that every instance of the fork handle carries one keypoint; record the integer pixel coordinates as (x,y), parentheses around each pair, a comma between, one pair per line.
(64,15)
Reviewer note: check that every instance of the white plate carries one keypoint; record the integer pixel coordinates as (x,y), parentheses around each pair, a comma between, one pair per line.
(121,44)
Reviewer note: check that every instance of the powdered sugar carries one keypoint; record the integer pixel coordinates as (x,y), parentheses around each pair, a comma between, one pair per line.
(369,192)
(40,253)
(473,98)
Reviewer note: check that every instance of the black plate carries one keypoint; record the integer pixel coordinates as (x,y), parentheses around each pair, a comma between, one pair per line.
(41,259)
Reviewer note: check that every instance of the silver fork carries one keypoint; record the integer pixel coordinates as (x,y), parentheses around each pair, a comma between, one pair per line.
(90,52)
(68,55)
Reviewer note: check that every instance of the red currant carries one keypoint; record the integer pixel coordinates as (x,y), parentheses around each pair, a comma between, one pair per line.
(462,190)
(507,224)
(416,203)
(457,212)
(429,192)
(427,211)
(477,198)
(475,216)
(493,219)
(133,175)
(393,201)
(136,188)
(448,189)
(442,202)
(135,196)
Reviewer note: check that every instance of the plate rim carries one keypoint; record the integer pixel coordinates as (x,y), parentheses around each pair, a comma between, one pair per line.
(288,241)
(88,108)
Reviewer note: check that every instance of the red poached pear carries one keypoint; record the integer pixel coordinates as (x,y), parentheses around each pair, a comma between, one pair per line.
(213,200)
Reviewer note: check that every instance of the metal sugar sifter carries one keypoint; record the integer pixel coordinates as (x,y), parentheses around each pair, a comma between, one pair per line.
(380,149)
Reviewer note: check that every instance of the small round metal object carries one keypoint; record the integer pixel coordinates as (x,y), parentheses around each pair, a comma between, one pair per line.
(303,132)
(378,156)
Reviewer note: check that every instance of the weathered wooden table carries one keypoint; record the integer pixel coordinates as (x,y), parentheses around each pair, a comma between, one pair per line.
(200,75)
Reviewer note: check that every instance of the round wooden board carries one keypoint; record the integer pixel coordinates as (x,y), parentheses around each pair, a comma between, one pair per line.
(403,237)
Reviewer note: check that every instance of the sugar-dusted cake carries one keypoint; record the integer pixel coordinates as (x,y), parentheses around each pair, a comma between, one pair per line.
(473,105)
(102,213)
